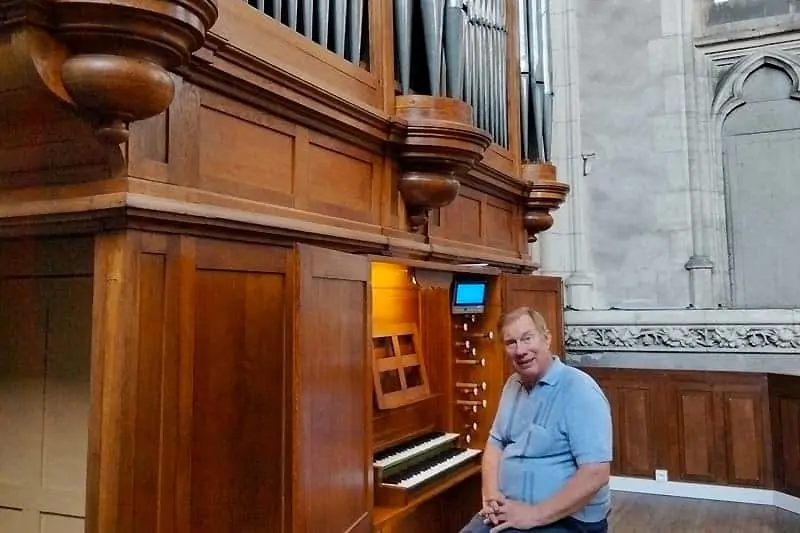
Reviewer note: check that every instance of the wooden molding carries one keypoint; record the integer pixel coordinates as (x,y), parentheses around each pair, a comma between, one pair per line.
(544,194)
(435,144)
(108,60)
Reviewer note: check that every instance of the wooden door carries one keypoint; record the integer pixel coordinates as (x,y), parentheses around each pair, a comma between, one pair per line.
(332,393)
(542,293)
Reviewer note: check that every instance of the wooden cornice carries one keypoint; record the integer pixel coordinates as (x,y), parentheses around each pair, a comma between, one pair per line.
(123,209)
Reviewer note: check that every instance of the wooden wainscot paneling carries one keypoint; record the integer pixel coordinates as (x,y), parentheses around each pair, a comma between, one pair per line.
(722,427)
(709,427)
(785,418)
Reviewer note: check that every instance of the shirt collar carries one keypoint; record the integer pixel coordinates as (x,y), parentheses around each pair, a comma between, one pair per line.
(552,375)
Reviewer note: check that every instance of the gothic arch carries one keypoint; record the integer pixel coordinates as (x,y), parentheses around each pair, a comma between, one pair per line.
(729,96)
(729,91)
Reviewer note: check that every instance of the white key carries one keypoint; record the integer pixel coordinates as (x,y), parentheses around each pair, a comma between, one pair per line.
(437,469)
(411,452)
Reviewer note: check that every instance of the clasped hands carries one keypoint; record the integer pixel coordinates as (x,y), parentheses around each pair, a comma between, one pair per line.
(505,514)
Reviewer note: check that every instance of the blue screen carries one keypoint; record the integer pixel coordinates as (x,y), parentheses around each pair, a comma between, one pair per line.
(470,293)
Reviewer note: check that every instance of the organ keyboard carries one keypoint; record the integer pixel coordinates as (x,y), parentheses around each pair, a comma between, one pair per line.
(403,470)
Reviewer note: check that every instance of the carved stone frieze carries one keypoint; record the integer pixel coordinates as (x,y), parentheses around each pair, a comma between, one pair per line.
(704,338)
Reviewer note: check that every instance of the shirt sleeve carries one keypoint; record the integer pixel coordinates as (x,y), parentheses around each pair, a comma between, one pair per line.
(588,424)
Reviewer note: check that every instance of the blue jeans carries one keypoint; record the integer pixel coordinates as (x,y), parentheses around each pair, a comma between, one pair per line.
(567,525)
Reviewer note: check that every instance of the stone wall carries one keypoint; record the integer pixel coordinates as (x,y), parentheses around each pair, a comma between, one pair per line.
(644,242)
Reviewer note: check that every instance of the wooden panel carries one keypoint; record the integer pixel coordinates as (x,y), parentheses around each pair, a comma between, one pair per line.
(234,144)
(636,446)
(238,454)
(148,147)
(166,147)
(500,223)
(436,336)
(542,293)
(785,424)
(744,432)
(789,413)
(461,220)
(332,392)
(697,442)
(355,173)
(46,257)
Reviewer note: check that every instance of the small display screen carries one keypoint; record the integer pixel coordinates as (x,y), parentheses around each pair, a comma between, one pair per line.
(470,293)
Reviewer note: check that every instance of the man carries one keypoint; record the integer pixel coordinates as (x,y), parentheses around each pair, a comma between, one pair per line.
(546,465)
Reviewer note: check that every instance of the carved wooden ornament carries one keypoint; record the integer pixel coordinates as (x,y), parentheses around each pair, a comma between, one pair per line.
(544,194)
(435,143)
(108,58)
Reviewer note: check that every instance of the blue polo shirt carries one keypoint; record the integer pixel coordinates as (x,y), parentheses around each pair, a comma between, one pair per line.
(546,433)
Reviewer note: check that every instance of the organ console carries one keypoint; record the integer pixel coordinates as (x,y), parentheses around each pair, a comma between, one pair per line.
(427,448)
(273,238)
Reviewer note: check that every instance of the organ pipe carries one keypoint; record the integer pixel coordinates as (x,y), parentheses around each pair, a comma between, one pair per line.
(466,42)
(338,25)
(536,80)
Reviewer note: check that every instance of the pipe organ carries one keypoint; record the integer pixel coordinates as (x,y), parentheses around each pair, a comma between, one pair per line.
(281,234)
(338,25)
(536,79)
(458,49)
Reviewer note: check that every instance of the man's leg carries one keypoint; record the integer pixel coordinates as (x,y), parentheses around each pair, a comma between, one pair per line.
(476,525)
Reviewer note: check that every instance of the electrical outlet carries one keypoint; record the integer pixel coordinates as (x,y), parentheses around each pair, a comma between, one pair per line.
(661,476)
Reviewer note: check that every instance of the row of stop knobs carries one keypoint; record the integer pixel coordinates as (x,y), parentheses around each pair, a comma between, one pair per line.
(469,392)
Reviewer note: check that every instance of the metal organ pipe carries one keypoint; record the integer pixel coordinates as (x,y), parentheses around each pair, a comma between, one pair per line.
(465,41)
(335,24)
(536,80)
(356,27)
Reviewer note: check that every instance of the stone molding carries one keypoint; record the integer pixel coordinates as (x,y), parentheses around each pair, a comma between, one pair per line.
(763,331)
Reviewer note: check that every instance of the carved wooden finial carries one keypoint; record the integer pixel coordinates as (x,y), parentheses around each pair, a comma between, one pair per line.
(110,59)
(435,143)
(544,194)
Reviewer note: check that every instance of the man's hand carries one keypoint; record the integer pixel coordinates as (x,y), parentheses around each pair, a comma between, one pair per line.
(517,515)
(491,505)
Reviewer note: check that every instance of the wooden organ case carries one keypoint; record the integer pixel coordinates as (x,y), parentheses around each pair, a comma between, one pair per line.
(235,242)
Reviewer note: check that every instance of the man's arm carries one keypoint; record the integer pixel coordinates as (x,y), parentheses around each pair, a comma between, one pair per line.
(589,430)
(489,477)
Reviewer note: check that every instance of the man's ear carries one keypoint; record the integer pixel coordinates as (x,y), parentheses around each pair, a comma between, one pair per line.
(548,339)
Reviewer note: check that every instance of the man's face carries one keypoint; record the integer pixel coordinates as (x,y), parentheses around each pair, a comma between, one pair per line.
(528,348)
